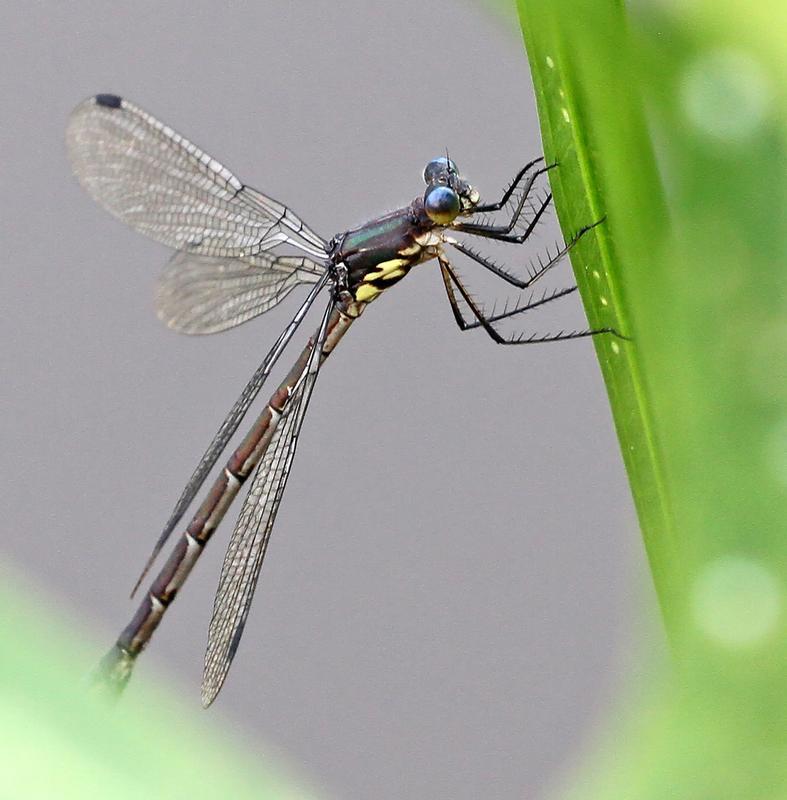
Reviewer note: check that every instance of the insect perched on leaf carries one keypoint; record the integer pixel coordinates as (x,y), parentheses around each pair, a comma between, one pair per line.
(225,271)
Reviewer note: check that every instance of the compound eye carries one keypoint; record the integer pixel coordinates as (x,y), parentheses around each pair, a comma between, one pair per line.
(442,204)
(437,168)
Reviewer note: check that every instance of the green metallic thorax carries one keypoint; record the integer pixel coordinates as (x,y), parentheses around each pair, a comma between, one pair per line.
(381,252)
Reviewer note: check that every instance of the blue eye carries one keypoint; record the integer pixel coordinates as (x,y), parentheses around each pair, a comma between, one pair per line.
(441,204)
(438,167)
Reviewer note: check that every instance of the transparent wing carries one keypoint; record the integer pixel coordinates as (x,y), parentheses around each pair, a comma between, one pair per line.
(243,560)
(162,185)
(204,294)
(230,425)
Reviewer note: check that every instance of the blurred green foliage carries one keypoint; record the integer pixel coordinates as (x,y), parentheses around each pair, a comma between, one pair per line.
(60,739)
(670,118)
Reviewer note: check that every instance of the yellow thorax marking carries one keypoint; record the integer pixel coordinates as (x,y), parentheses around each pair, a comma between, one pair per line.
(366,292)
(387,270)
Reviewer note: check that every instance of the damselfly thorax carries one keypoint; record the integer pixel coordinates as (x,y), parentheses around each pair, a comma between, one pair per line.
(225,271)
(380,253)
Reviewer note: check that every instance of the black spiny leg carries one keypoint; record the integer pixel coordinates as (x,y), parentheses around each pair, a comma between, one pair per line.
(502,231)
(450,279)
(529,305)
(508,192)
(534,272)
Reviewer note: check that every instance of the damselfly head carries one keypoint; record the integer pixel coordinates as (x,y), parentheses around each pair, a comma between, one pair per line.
(447,194)
(442,204)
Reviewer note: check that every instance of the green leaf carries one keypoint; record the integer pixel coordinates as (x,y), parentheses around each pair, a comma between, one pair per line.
(672,121)
(603,175)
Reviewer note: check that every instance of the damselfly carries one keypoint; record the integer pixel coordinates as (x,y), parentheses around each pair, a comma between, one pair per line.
(224,273)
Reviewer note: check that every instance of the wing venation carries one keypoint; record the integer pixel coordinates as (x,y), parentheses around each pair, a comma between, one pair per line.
(205,294)
(164,186)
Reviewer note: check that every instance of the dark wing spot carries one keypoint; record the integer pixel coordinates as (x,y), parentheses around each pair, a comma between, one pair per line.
(108,100)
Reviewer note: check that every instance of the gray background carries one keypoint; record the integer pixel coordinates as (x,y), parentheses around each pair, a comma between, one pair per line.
(456,580)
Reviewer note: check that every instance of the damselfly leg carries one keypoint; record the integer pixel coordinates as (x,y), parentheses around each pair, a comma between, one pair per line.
(524,182)
(451,280)
(512,187)
(503,232)
(534,272)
